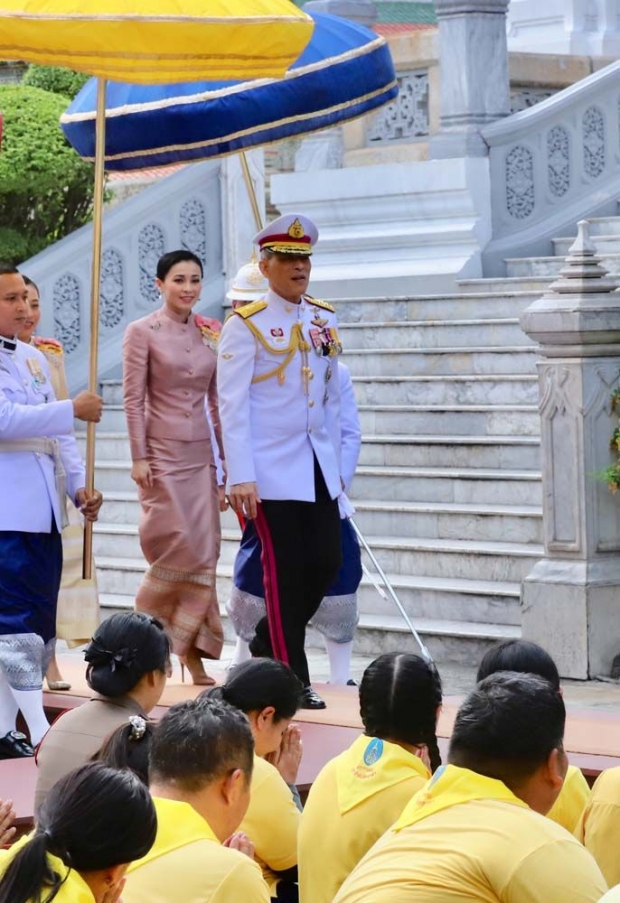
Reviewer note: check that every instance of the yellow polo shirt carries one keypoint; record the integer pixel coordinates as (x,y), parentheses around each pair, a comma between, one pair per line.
(272,821)
(574,797)
(187,863)
(73,889)
(355,798)
(599,826)
(612,896)
(477,844)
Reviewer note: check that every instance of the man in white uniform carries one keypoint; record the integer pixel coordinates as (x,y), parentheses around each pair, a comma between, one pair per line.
(279,394)
(39,461)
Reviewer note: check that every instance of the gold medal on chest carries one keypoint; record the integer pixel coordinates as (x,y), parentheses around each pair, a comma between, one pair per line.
(38,376)
(318,320)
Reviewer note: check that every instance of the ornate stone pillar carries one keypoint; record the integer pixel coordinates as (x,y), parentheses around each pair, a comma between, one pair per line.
(475,87)
(362,11)
(571,599)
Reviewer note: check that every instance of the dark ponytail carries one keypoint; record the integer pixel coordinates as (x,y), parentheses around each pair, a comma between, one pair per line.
(400,696)
(260,684)
(124,648)
(94,818)
(129,746)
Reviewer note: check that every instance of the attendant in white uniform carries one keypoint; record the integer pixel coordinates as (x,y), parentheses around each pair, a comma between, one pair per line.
(39,460)
(279,392)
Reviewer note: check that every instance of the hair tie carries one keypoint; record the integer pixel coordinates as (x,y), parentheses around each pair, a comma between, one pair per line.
(97,654)
(138,727)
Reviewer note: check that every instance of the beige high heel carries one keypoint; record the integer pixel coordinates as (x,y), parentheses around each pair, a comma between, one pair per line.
(201,679)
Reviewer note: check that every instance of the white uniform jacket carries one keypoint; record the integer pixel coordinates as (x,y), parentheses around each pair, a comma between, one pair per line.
(273,424)
(29,410)
(350,438)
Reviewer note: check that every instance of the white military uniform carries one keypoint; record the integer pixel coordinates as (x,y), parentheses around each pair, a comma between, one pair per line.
(29,410)
(278,412)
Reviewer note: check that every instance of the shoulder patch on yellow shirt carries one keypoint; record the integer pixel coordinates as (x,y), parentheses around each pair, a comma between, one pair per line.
(248,310)
(324,304)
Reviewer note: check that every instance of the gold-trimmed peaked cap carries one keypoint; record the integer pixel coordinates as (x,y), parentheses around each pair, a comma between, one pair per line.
(292,233)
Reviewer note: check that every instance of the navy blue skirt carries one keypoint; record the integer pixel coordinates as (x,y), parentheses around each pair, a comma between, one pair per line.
(30,571)
(248,574)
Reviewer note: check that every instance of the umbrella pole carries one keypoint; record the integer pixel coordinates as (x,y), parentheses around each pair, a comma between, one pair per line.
(249,184)
(94,312)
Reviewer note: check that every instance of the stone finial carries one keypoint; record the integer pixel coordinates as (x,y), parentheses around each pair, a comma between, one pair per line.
(583,271)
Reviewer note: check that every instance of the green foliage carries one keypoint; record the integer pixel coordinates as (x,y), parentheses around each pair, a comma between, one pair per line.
(611,474)
(45,188)
(54,79)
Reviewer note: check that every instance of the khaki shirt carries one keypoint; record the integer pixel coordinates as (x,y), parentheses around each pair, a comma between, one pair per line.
(76,735)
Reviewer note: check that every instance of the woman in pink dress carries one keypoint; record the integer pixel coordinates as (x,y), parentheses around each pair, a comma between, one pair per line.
(169,360)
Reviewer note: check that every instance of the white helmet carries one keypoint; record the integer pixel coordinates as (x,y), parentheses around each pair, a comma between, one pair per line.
(248,285)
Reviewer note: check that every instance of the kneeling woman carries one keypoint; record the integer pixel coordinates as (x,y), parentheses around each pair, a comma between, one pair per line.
(94,823)
(360,793)
(270,694)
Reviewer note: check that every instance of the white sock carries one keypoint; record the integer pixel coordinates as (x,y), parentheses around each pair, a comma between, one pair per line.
(30,703)
(339,661)
(242,653)
(8,706)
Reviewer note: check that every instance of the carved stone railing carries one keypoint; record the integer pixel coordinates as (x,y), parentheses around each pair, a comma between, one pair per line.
(407,117)
(554,164)
(182,211)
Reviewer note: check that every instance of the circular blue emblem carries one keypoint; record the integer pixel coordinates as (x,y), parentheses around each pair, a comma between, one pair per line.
(373,752)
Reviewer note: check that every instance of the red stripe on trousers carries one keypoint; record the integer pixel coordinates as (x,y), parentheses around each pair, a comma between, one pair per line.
(272,595)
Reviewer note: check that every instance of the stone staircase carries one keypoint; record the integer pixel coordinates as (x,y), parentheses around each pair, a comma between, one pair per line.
(448,490)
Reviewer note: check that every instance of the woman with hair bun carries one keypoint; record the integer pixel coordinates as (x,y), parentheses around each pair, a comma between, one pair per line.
(94,823)
(360,793)
(169,360)
(270,694)
(128,663)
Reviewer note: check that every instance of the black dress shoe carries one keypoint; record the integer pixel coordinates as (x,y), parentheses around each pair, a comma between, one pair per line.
(15,745)
(311,700)
(351,683)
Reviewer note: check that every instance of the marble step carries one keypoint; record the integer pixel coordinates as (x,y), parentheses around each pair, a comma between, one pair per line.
(430,557)
(460,389)
(450,520)
(478,361)
(440,333)
(605,244)
(112,391)
(551,266)
(484,303)
(469,486)
(512,452)
(482,420)
(536,285)
(459,642)
(604,225)
(470,448)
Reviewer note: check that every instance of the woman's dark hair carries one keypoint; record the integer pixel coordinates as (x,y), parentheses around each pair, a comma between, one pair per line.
(124,648)
(199,741)
(93,819)
(259,683)
(400,696)
(31,282)
(522,656)
(129,746)
(165,263)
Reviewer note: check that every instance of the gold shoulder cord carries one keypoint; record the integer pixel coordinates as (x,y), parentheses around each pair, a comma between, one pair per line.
(296,343)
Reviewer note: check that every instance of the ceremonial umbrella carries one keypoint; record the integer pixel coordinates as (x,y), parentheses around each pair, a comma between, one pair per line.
(345,71)
(148,41)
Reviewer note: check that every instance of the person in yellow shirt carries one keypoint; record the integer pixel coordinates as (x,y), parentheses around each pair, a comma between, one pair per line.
(599,825)
(360,793)
(530,658)
(269,693)
(94,822)
(477,830)
(200,772)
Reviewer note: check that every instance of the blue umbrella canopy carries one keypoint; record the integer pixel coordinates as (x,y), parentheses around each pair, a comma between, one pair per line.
(345,72)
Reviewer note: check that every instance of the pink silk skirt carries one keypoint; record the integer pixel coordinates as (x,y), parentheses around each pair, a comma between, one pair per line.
(180,538)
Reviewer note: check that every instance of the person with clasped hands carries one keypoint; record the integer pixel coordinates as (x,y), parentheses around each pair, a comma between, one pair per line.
(39,460)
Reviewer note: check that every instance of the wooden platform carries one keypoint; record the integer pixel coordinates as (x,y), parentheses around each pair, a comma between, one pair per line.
(592,738)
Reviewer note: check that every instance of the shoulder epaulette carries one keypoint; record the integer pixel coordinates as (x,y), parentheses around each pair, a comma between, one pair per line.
(248,310)
(51,345)
(324,304)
